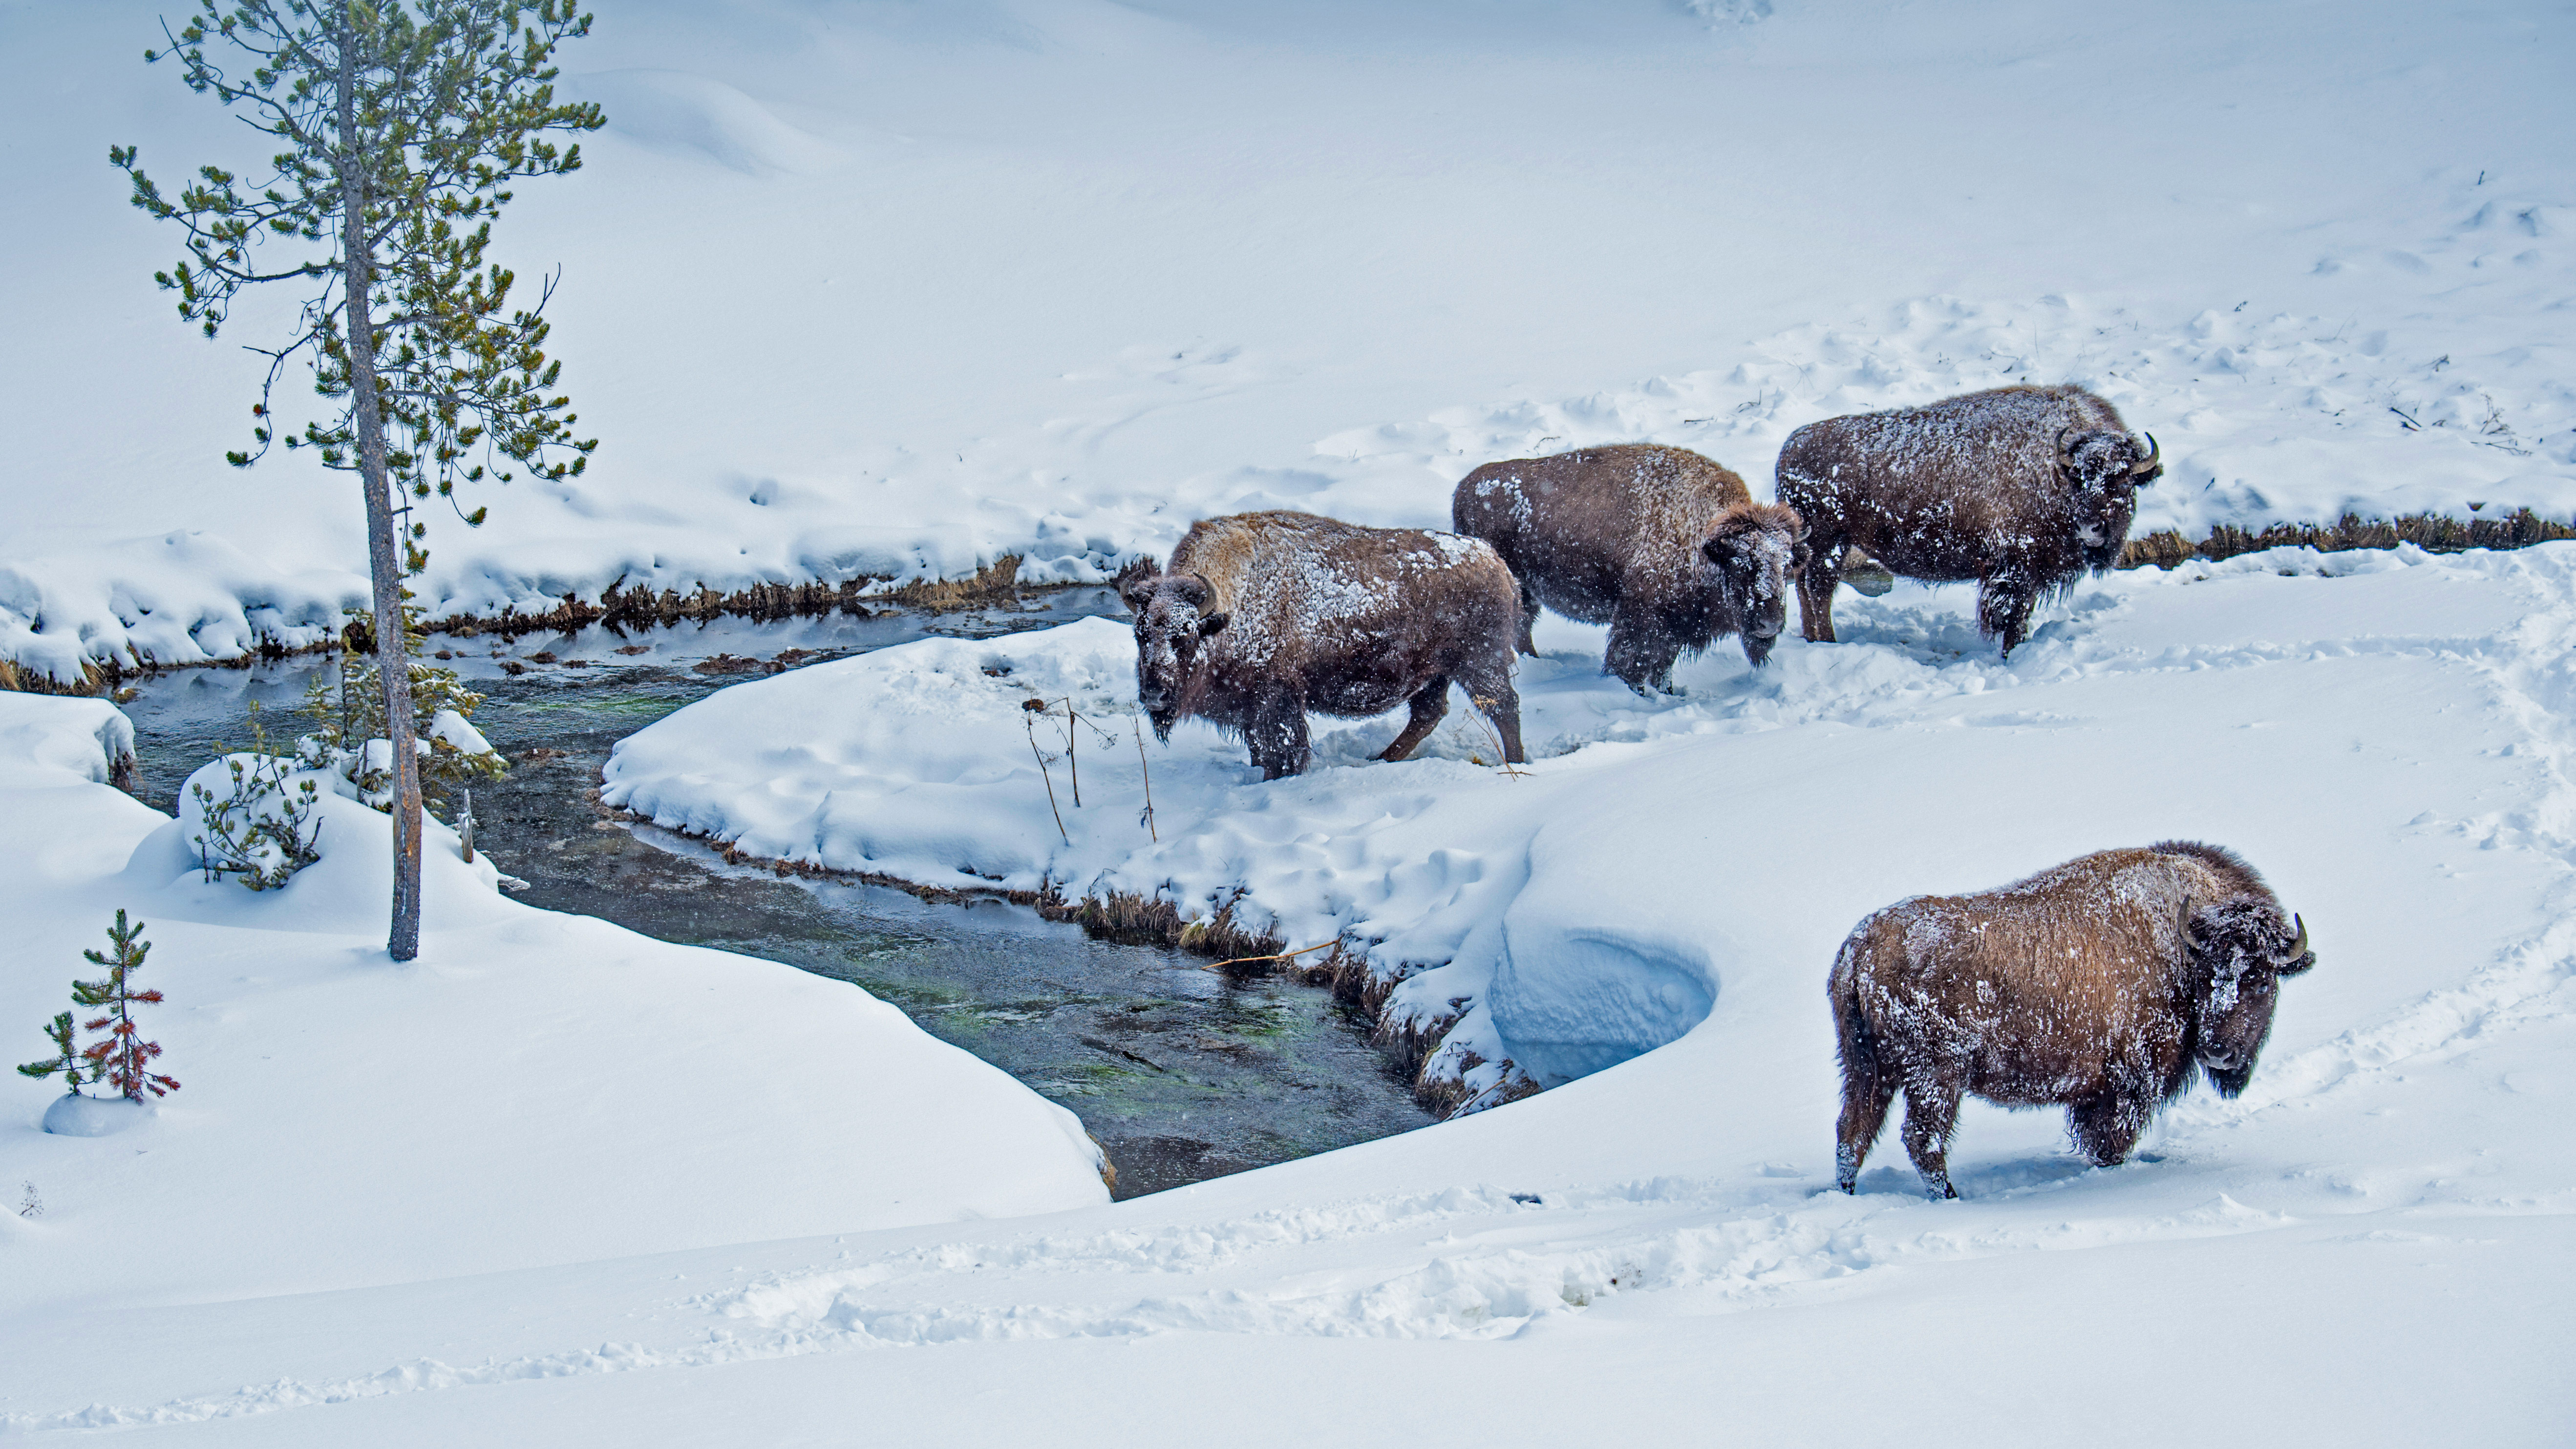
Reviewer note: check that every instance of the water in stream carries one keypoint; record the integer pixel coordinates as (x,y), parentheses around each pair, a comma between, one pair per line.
(1180,1073)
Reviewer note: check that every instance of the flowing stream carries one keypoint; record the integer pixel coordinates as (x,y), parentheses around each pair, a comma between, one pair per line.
(1179,1072)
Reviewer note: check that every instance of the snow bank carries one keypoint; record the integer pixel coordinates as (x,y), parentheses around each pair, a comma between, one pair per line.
(535,1089)
(1597,902)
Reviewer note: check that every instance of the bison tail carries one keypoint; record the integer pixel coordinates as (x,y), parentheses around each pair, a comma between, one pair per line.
(1854,1043)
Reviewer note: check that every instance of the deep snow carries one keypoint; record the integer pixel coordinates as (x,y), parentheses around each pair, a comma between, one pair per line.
(535,1089)
(1055,277)
(2369,1246)
(868,287)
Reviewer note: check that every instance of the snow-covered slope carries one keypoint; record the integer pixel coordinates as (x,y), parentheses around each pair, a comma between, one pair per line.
(2371,1246)
(894,289)
(535,1089)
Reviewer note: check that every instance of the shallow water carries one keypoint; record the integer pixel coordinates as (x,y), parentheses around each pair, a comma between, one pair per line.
(1181,1073)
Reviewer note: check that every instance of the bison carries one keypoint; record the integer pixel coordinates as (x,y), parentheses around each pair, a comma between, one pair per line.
(1262,617)
(2097,986)
(2020,488)
(1661,544)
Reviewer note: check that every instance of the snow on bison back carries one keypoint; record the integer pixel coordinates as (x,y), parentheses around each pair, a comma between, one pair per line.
(1665,546)
(1263,617)
(2096,985)
(2019,488)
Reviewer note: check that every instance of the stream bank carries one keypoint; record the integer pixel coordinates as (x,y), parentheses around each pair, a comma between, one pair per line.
(1181,1073)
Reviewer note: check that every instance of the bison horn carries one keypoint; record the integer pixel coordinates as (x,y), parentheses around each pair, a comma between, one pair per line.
(2152,461)
(2299,947)
(2064,458)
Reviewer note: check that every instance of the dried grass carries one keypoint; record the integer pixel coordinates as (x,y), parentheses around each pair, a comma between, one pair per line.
(2432,532)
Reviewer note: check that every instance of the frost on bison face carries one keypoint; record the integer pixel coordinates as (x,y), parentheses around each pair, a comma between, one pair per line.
(1171,622)
(2097,986)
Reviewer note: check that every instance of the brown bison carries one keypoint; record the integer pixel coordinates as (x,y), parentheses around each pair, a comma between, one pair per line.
(1661,544)
(2097,986)
(1262,617)
(2021,489)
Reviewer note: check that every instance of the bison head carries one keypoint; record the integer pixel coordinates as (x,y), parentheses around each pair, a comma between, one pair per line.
(1754,553)
(2103,471)
(2245,948)
(1171,622)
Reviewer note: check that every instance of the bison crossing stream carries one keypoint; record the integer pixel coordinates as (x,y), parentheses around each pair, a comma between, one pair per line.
(1180,1073)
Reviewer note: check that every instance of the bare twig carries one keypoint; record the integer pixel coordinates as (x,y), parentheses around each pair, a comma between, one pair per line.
(1282,956)
(1484,717)
(1034,707)
(1148,816)
(1070,762)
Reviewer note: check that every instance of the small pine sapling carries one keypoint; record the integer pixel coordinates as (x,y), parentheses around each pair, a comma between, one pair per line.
(123,1059)
(262,830)
(66,1058)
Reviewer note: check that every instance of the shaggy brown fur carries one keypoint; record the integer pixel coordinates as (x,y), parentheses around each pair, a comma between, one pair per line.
(1664,546)
(1263,617)
(2096,986)
(2021,489)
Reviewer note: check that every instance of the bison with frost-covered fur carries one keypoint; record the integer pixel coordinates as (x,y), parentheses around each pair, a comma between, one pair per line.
(1263,617)
(1664,546)
(2096,986)
(2020,488)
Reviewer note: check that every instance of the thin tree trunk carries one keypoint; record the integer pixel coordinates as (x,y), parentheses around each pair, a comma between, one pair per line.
(384,561)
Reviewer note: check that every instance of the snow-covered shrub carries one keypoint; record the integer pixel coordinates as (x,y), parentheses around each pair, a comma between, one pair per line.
(251,814)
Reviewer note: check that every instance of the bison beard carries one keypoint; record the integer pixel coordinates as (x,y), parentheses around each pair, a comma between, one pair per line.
(1263,617)
(2096,986)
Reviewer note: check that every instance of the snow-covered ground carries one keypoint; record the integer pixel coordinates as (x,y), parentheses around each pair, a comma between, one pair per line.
(2371,1246)
(536,1089)
(893,289)
(861,286)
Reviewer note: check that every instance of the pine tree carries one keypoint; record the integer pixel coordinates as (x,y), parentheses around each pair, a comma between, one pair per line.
(403,123)
(123,1058)
(66,1058)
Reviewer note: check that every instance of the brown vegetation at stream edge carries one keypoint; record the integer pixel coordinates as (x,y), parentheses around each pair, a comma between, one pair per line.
(2432,532)
(619,609)
(643,608)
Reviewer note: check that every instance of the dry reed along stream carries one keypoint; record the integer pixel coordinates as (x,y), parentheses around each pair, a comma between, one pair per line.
(1181,1073)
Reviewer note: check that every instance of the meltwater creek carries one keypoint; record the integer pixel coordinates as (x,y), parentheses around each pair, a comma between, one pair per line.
(1181,1073)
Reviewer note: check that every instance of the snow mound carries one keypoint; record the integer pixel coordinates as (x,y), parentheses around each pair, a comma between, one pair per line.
(1584,909)
(536,1088)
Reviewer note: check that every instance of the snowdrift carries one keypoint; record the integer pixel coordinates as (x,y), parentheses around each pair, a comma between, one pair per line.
(534,1089)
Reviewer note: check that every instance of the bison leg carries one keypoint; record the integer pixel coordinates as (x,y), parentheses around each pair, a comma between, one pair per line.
(1529,621)
(2004,601)
(1931,1111)
(1866,1094)
(1490,688)
(1277,735)
(2107,1126)
(1641,653)
(1430,703)
(1816,584)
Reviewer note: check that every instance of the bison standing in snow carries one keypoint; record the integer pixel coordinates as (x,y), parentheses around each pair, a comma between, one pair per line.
(2096,986)
(2021,489)
(1661,544)
(1262,617)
